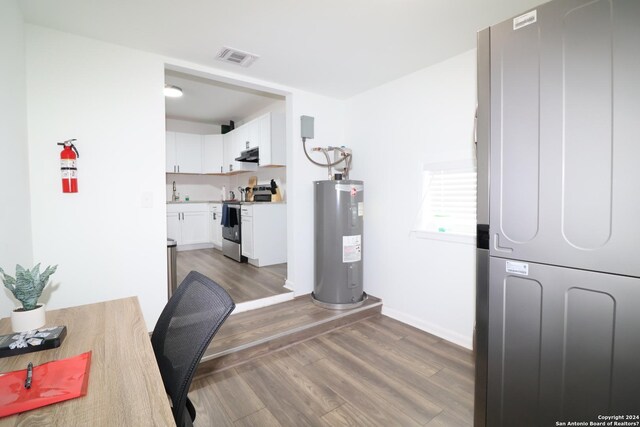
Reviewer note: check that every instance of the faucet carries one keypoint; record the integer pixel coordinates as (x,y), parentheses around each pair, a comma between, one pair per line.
(174,196)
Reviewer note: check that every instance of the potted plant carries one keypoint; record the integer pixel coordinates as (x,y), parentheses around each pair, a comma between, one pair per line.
(27,287)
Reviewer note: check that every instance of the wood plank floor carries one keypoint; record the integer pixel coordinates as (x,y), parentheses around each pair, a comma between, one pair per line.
(254,333)
(242,281)
(376,372)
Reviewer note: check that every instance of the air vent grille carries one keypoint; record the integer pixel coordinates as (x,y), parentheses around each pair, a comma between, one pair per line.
(235,56)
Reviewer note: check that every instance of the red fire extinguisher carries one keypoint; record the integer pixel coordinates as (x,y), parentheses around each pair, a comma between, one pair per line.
(69,166)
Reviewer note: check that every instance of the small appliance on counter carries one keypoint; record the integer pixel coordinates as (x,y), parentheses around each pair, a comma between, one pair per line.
(253,181)
(267,193)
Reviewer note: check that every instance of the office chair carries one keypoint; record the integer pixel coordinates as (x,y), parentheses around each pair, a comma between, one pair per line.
(191,318)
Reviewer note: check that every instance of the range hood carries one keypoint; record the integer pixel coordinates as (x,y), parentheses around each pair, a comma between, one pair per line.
(252,155)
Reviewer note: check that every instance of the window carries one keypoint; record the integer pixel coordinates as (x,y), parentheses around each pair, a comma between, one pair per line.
(449,202)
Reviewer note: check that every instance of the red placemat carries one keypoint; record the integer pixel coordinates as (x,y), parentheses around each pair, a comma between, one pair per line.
(52,382)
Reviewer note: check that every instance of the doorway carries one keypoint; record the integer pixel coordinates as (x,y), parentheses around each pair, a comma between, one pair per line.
(207,129)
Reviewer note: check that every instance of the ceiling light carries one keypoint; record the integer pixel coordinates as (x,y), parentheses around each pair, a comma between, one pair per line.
(172,91)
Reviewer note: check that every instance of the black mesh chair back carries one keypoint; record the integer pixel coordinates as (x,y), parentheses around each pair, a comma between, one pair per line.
(184,330)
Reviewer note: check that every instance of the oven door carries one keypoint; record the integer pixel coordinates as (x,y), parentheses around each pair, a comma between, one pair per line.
(231,232)
(231,227)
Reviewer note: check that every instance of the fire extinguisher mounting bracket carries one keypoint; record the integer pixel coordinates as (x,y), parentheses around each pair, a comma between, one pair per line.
(69,143)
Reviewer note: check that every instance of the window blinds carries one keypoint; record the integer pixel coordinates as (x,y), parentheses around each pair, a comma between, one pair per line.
(450,201)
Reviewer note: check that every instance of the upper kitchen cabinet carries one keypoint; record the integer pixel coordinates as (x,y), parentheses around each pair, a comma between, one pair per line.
(212,154)
(234,143)
(272,141)
(171,152)
(184,153)
(267,133)
(227,152)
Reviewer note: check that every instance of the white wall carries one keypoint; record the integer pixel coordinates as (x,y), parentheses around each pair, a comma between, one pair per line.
(110,98)
(186,126)
(394,130)
(108,239)
(15,226)
(329,124)
(197,187)
(276,106)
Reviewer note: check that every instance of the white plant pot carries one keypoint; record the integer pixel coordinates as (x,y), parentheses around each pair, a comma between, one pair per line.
(22,321)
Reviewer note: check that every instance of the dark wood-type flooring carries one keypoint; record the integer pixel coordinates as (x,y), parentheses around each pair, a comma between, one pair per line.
(254,333)
(375,372)
(242,281)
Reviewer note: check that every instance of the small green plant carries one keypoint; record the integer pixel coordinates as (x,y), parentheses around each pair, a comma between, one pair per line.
(28,284)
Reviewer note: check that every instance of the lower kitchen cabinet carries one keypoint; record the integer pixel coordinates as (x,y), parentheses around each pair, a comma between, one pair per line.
(188,224)
(215,226)
(247,236)
(174,226)
(264,233)
(195,227)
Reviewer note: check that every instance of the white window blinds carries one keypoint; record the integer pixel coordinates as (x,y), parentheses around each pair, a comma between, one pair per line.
(449,201)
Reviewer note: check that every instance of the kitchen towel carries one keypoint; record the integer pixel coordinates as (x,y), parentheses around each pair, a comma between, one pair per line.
(225,215)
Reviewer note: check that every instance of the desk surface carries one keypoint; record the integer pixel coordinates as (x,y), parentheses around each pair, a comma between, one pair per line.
(125,386)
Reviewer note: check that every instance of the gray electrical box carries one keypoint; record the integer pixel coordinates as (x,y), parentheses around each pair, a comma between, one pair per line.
(306,127)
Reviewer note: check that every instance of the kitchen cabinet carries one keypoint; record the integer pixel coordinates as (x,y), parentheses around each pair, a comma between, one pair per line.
(272,141)
(215,226)
(227,152)
(264,233)
(195,227)
(173,226)
(240,143)
(234,143)
(184,152)
(170,140)
(266,132)
(212,154)
(188,224)
(216,154)
(246,230)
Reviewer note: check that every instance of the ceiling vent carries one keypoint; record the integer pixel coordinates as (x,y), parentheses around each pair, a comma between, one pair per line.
(238,57)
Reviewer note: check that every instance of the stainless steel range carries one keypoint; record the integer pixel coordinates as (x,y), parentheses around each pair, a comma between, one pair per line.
(231,232)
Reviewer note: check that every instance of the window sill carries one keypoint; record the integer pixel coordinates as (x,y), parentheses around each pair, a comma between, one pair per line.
(447,237)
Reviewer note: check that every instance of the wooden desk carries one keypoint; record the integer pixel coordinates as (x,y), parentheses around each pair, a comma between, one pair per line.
(125,387)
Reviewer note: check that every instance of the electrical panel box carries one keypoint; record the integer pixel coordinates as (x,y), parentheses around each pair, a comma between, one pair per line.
(306,127)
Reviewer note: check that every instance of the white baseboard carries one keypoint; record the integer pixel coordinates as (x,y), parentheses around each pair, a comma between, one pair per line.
(262,302)
(449,335)
(288,284)
(194,246)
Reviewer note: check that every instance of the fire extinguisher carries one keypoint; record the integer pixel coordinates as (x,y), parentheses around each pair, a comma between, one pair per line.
(69,166)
